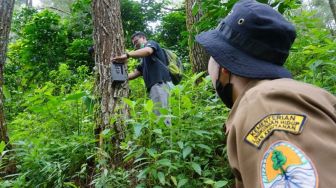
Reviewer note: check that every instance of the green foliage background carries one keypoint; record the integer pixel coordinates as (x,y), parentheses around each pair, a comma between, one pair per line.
(49,101)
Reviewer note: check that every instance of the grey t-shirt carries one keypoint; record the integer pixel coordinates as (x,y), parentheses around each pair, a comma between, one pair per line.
(152,71)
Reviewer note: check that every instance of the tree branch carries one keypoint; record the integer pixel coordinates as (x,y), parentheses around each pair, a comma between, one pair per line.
(53,8)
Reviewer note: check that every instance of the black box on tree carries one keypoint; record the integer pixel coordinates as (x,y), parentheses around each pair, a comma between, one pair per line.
(118,72)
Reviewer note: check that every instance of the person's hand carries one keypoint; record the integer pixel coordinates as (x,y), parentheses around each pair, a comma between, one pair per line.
(121,58)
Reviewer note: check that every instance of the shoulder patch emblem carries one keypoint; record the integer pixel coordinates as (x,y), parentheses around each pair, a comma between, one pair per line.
(292,123)
(285,165)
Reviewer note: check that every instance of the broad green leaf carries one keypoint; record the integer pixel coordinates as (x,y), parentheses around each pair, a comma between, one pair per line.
(173,180)
(204,147)
(89,103)
(197,168)
(137,130)
(220,184)
(186,102)
(180,144)
(186,151)
(149,106)
(209,182)
(143,173)
(152,152)
(157,131)
(6,92)
(182,182)
(161,178)
(129,102)
(2,146)
(164,162)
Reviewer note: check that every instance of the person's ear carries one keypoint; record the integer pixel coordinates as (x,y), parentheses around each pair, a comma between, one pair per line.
(224,71)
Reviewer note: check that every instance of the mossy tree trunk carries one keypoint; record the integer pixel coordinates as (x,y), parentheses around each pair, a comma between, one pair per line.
(198,57)
(6,11)
(110,111)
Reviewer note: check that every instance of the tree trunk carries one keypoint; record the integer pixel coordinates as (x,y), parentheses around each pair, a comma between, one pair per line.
(333,8)
(29,3)
(6,11)
(198,56)
(111,112)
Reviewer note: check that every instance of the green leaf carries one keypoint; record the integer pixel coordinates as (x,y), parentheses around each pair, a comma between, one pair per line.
(149,106)
(129,102)
(204,147)
(220,184)
(152,152)
(197,168)
(70,184)
(105,131)
(158,131)
(2,146)
(169,151)
(164,162)
(143,173)
(186,102)
(182,182)
(209,182)
(173,180)
(161,178)
(195,8)
(137,130)
(180,144)
(186,151)
(75,96)
(89,103)
(6,92)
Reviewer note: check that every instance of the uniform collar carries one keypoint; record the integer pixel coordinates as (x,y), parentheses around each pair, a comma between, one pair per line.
(234,108)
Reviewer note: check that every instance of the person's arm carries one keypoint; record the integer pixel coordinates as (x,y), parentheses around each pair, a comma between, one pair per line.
(143,52)
(134,74)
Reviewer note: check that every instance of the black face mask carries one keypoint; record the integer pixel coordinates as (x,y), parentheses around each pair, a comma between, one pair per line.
(225,92)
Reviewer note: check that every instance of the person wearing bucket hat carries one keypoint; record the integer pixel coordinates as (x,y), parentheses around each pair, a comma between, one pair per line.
(280,132)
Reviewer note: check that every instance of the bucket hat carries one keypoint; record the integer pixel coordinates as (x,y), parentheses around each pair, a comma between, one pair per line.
(253,41)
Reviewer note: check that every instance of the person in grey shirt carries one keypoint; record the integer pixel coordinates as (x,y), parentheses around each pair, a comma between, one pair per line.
(152,68)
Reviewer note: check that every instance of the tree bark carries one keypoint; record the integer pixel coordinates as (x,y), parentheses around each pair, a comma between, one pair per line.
(6,11)
(198,57)
(333,8)
(110,111)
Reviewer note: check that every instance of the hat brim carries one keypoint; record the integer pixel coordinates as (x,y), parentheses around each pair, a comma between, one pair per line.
(237,61)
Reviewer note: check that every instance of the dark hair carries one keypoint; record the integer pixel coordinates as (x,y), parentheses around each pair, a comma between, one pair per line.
(91,50)
(138,34)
